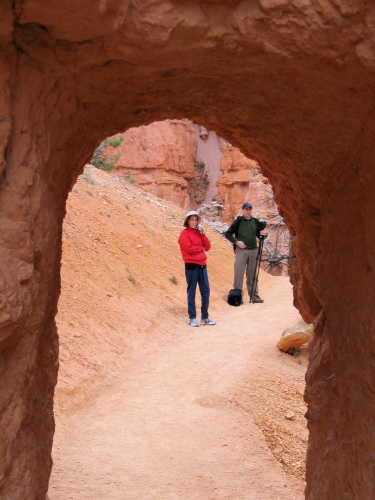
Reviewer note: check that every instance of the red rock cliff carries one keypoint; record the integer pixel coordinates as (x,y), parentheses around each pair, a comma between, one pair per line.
(242,181)
(289,83)
(160,157)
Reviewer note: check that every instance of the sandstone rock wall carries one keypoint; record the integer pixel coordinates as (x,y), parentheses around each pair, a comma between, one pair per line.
(160,157)
(209,151)
(241,181)
(291,85)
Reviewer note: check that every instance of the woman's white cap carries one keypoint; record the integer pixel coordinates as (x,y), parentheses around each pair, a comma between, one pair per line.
(188,215)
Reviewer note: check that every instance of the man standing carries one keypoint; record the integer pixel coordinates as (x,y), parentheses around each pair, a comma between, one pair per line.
(243,234)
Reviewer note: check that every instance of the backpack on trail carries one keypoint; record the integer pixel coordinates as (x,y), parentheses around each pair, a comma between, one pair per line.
(235,297)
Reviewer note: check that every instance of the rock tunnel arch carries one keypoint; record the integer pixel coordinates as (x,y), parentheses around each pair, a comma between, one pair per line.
(276,79)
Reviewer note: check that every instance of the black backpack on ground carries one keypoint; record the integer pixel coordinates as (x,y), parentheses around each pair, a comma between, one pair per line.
(235,297)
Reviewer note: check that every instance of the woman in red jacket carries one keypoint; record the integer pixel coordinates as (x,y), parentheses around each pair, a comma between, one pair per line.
(194,244)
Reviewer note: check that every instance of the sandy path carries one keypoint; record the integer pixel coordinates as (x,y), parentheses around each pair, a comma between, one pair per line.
(167,428)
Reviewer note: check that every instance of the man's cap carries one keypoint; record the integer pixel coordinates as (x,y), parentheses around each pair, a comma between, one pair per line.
(247,205)
(188,215)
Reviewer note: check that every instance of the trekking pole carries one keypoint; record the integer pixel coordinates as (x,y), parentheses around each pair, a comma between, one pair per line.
(254,285)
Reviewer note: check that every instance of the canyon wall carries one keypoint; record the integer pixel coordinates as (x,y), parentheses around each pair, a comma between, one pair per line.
(288,83)
(160,158)
(209,151)
(241,181)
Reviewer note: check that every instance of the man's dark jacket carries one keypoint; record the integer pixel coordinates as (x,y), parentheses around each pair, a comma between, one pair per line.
(233,229)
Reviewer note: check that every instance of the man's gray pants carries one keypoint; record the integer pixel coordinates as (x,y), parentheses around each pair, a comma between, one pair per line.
(245,260)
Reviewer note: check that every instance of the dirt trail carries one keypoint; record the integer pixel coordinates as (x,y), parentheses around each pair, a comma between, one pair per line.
(146,406)
(169,428)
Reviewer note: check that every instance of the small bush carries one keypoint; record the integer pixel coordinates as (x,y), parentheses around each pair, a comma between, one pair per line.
(101,160)
(114,142)
(129,178)
(173,280)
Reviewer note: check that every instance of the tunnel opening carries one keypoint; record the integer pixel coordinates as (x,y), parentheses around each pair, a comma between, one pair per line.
(285,85)
(121,299)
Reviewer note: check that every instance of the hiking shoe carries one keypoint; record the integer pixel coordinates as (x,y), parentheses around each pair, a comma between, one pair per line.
(207,321)
(193,322)
(257,300)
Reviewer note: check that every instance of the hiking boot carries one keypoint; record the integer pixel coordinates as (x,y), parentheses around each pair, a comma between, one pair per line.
(207,321)
(257,300)
(193,322)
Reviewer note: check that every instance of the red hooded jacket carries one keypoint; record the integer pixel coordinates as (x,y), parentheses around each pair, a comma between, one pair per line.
(193,246)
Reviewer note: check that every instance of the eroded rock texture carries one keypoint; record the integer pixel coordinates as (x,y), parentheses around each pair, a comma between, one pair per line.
(295,336)
(289,83)
(160,157)
(242,181)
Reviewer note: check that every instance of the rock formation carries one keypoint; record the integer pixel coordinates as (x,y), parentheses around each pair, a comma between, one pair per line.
(295,336)
(290,84)
(241,181)
(209,151)
(160,157)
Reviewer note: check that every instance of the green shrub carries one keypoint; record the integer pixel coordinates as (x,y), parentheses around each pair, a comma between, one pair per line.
(100,158)
(114,141)
(129,178)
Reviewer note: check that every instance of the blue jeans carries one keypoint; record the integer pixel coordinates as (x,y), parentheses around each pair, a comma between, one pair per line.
(194,277)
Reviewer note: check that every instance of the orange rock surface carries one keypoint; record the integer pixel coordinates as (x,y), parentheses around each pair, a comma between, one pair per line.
(241,181)
(288,83)
(160,157)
